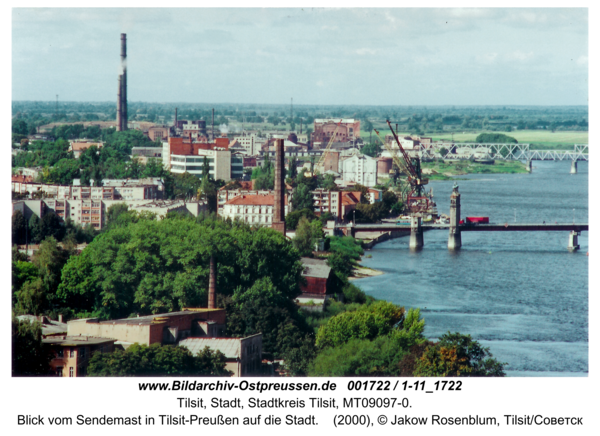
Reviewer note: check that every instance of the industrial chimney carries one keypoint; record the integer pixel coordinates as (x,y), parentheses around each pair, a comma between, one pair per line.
(212,284)
(122,92)
(279,206)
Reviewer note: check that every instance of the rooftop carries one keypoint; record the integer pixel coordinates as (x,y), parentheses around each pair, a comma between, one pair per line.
(254,200)
(148,319)
(315,268)
(230,347)
(76,340)
(49,327)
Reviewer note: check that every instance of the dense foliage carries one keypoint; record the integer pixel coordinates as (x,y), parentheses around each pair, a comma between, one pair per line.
(458,355)
(29,356)
(160,266)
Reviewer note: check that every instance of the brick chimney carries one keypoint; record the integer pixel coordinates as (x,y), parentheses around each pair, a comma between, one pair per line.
(212,284)
(278,208)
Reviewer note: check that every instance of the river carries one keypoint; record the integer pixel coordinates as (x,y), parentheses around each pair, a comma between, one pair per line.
(523,295)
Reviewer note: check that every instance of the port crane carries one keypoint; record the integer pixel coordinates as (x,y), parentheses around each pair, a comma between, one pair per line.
(416,201)
(321,163)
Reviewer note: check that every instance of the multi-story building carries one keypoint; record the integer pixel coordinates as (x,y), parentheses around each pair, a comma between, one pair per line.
(325,129)
(360,169)
(251,142)
(182,155)
(252,209)
(158,133)
(93,211)
(145,153)
(73,353)
(339,203)
(193,329)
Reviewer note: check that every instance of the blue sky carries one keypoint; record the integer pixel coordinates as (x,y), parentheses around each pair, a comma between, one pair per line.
(317,56)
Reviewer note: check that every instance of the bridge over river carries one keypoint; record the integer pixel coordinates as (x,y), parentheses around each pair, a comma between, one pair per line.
(416,228)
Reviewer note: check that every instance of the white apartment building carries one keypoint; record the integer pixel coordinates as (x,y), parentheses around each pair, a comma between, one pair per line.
(360,169)
(223,164)
(252,209)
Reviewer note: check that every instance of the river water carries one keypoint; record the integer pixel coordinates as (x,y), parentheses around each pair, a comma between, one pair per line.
(523,295)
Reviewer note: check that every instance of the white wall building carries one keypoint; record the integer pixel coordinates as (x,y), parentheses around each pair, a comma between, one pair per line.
(252,209)
(360,169)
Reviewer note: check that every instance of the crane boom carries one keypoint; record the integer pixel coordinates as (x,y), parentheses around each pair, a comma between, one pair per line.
(321,162)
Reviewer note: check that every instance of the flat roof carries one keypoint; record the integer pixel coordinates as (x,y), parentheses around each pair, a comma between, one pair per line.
(76,341)
(148,319)
(315,268)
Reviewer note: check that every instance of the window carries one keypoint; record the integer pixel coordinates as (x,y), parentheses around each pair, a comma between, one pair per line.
(81,352)
(71,372)
(59,372)
(60,353)
(72,353)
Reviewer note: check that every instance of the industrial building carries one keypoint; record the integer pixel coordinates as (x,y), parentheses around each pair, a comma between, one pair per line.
(325,129)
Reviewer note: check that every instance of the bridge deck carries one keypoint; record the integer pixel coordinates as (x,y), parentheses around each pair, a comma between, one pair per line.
(506,227)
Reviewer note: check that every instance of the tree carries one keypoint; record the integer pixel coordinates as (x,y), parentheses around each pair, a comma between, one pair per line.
(161,266)
(306,236)
(458,355)
(157,360)
(381,355)
(303,197)
(29,356)
(498,138)
(18,228)
(368,322)
(293,168)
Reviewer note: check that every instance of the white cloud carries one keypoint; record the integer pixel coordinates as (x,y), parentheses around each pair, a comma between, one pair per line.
(366,51)
(583,60)
(488,58)
(519,56)
(320,83)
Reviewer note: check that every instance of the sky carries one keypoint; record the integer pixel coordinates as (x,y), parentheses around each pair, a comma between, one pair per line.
(350,56)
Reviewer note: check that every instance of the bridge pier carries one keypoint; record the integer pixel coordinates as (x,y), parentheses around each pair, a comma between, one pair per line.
(528,165)
(573,167)
(416,233)
(454,236)
(574,240)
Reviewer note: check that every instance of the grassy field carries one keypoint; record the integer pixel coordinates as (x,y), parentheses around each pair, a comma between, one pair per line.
(539,139)
(441,170)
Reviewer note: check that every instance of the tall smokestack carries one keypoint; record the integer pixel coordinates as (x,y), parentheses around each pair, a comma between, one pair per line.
(119,101)
(212,284)
(124,116)
(175,117)
(213,125)
(279,206)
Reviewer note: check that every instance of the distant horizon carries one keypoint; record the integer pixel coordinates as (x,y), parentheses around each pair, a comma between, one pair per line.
(329,57)
(304,104)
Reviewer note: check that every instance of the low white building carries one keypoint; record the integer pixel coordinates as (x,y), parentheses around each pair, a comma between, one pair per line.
(252,209)
(360,169)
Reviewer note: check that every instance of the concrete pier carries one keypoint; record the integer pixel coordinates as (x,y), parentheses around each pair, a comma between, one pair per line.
(573,167)
(454,236)
(416,233)
(528,165)
(574,240)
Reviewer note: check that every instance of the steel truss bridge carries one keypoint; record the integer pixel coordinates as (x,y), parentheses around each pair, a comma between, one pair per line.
(500,152)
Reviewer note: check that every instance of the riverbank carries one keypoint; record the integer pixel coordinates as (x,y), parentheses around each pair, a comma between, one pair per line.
(361,272)
(439,170)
